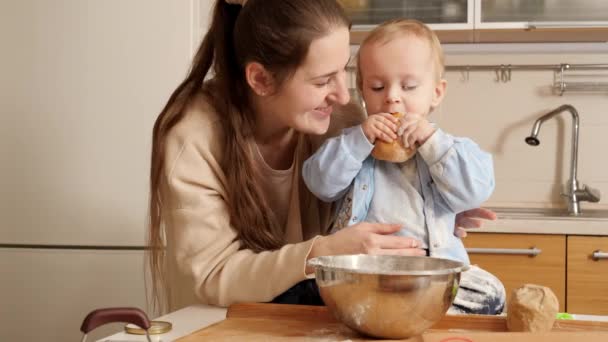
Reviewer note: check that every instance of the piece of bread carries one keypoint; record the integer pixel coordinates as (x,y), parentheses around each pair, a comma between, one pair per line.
(532,308)
(393,152)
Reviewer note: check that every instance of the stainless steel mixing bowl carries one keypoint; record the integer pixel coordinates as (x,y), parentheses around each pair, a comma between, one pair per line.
(387,296)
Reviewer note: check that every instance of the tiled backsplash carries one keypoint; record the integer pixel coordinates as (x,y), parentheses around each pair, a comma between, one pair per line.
(499,116)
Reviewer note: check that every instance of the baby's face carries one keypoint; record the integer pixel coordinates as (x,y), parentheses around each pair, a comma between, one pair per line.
(399,76)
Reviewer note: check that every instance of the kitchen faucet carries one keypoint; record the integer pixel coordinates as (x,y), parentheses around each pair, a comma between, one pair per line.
(574,192)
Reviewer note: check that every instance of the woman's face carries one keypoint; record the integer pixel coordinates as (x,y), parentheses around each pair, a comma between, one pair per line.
(305,101)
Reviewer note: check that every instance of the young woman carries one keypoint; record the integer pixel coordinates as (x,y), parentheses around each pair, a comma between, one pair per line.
(230,218)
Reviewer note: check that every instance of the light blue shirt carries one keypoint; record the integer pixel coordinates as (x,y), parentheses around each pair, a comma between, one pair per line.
(447,176)
(387,206)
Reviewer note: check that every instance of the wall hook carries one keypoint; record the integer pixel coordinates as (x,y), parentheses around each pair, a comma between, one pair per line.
(464,75)
(562,84)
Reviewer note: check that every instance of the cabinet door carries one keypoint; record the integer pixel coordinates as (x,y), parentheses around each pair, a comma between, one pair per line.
(451,19)
(588,275)
(504,255)
(542,13)
(541,21)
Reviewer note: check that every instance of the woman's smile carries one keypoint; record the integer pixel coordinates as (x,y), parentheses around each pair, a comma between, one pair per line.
(323,112)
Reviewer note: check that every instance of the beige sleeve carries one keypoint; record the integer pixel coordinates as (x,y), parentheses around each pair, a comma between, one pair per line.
(199,235)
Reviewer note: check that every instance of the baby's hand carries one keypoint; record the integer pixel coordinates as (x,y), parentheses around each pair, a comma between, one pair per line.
(414,128)
(380,126)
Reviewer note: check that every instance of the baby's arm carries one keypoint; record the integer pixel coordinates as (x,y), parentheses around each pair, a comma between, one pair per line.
(329,172)
(462,173)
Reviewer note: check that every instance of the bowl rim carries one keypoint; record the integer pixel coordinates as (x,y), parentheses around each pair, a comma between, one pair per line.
(318,263)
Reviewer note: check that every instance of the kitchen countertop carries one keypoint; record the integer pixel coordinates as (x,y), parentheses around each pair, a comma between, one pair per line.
(185,321)
(544,226)
(529,222)
(192,318)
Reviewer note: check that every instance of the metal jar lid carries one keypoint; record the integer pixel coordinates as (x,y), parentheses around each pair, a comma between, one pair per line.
(156,328)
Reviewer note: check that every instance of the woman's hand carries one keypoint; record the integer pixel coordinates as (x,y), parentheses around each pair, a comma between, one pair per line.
(366,238)
(472,219)
(380,126)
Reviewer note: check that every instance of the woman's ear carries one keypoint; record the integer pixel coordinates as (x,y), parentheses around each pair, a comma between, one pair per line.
(259,79)
(439,92)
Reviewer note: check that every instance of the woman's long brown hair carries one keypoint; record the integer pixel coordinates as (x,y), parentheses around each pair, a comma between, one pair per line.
(275,33)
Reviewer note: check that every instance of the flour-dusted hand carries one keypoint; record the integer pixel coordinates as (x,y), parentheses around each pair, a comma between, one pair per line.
(366,238)
(414,129)
(381,126)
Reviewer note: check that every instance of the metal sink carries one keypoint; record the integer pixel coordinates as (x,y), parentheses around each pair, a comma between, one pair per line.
(548,214)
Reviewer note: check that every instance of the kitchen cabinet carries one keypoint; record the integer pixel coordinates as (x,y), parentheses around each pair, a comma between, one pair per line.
(574,267)
(484,21)
(541,21)
(452,20)
(587,269)
(517,259)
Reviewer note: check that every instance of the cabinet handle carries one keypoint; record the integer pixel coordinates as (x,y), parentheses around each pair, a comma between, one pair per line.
(565,24)
(508,251)
(597,255)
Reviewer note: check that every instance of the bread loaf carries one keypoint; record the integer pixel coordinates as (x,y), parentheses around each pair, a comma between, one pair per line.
(393,152)
(532,308)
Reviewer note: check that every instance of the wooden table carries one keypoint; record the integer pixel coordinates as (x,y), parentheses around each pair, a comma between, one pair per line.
(278,322)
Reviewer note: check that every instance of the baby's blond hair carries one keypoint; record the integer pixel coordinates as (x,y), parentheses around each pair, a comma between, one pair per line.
(391,29)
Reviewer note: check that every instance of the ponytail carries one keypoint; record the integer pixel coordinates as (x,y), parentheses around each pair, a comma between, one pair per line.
(275,33)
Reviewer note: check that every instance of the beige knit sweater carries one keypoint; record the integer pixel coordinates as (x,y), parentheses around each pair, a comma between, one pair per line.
(204,260)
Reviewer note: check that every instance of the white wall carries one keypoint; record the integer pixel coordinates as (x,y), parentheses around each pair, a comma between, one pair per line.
(81,83)
(500,115)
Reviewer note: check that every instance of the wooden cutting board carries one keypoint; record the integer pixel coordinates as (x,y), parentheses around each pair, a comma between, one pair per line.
(277,322)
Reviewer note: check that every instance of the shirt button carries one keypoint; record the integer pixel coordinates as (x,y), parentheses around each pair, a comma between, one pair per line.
(436,245)
(355,219)
(364,187)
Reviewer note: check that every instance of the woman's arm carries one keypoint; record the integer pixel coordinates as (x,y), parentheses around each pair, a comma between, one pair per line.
(204,247)
(201,243)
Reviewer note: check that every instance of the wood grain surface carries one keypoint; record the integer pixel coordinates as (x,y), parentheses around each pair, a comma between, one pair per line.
(277,322)
(587,277)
